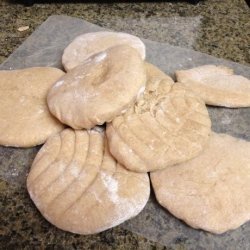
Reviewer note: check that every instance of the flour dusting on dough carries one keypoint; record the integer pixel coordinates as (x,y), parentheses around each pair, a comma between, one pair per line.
(59,83)
(140,93)
(123,205)
(124,111)
(100,57)
(74,170)
(112,186)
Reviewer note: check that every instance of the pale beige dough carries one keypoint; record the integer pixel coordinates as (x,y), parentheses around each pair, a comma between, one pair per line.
(211,191)
(168,125)
(25,120)
(79,187)
(217,85)
(86,45)
(99,89)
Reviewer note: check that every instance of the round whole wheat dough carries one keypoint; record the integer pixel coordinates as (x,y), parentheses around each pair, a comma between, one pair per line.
(99,89)
(211,191)
(79,187)
(168,125)
(25,120)
(86,45)
(217,85)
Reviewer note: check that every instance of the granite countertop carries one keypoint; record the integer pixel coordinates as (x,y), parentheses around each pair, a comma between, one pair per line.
(218,28)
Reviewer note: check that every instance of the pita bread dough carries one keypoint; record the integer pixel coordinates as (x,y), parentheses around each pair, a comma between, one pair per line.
(86,45)
(168,125)
(79,187)
(25,120)
(217,85)
(211,191)
(99,89)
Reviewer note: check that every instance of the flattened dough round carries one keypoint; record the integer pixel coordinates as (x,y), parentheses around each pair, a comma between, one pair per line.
(99,89)
(79,187)
(217,85)
(86,45)
(211,191)
(25,120)
(168,125)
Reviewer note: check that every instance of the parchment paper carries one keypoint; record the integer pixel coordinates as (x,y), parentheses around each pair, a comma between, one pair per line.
(45,47)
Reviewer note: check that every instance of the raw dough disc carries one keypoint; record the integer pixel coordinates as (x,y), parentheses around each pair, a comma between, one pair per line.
(25,120)
(211,191)
(79,187)
(99,89)
(217,85)
(168,125)
(86,45)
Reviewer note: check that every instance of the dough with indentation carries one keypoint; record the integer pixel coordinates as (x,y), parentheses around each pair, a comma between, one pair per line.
(86,45)
(168,125)
(99,89)
(79,187)
(211,191)
(25,120)
(217,85)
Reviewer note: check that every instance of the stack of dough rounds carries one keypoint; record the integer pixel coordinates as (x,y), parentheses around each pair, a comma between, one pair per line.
(168,125)
(99,89)
(25,120)
(86,45)
(79,187)
(211,191)
(86,178)
(217,85)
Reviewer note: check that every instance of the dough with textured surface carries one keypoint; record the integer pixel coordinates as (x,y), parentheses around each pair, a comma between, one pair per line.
(217,85)
(211,191)
(99,89)
(25,120)
(79,187)
(168,125)
(86,45)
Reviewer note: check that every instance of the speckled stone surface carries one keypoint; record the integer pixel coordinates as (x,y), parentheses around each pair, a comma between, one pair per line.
(217,27)
(21,225)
